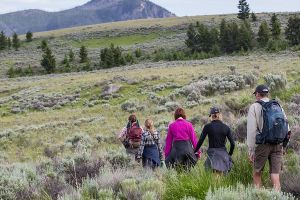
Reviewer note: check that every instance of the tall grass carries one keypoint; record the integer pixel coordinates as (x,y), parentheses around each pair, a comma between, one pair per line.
(199,181)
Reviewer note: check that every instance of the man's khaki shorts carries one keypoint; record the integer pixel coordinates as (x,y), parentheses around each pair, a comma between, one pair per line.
(271,152)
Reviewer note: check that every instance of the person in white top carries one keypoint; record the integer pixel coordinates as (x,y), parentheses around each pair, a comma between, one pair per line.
(259,153)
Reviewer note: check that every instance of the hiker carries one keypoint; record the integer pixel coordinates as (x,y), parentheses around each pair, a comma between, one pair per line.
(150,150)
(131,135)
(267,134)
(218,159)
(180,142)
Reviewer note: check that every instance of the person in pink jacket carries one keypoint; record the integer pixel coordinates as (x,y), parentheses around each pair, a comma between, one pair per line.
(181,142)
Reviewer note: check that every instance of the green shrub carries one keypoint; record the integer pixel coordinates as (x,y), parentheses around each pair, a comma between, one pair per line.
(53,186)
(118,159)
(287,94)
(132,105)
(291,163)
(290,182)
(241,192)
(149,196)
(91,190)
(152,185)
(11,72)
(76,169)
(18,182)
(138,53)
(79,139)
(277,45)
(238,104)
(276,82)
(240,129)
(129,188)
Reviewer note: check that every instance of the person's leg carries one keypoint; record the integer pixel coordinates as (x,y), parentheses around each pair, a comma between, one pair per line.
(260,159)
(257,178)
(276,181)
(275,162)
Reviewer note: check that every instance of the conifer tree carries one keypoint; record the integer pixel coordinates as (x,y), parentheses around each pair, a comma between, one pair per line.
(8,43)
(106,58)
(3,41)
(275,27)
(191,37)
(244,10)
(48,61)
(65,60)
(16,42)
(253,17)
(129,58)
(29,36)
(71,55)
(224,37)
(229,36)
(292,31)
(117,55)
(245,37)
(263,34)
(202,40)
(138,53)
(11,72)
(83,54)
(67,66)
(44,45)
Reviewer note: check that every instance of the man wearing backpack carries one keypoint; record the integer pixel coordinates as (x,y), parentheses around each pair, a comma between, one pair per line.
(131,135)
(267,134)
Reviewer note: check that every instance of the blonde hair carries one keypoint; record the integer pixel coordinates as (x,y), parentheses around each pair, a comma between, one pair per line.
(217,116)
(149,125)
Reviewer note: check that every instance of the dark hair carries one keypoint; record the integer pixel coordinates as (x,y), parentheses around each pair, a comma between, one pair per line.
(263,94)
(179,113)
(132,118)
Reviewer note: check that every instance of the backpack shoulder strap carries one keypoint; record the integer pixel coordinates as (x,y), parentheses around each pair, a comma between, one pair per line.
(260,102)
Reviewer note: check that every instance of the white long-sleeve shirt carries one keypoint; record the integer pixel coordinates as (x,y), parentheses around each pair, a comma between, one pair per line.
(255,124)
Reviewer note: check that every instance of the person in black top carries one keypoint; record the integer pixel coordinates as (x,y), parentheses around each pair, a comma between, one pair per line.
(218,159)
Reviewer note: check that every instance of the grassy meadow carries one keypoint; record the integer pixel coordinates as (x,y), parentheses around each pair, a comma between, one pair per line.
(58,132)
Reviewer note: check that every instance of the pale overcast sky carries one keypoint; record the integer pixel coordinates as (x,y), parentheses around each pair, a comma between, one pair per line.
(179,7)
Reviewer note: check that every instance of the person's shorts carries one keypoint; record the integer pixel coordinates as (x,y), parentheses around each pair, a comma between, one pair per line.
(270,152)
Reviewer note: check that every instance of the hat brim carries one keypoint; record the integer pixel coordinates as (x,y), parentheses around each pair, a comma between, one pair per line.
(213,113)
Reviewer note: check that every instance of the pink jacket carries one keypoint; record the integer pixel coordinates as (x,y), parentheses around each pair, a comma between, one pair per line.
(180,130)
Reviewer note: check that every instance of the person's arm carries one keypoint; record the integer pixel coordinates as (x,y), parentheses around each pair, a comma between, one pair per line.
(287,139)
(169,141)
(202,138)
(252,127)
(289,134)
(159,145)
(122,134)
(194,140)
(141,148)
(232,143)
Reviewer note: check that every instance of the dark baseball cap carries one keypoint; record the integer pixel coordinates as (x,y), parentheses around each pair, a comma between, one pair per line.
(214,110)
(261,89)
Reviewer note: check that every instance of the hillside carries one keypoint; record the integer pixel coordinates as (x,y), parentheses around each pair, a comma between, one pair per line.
(93,12)
(146,34)
(58,132)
